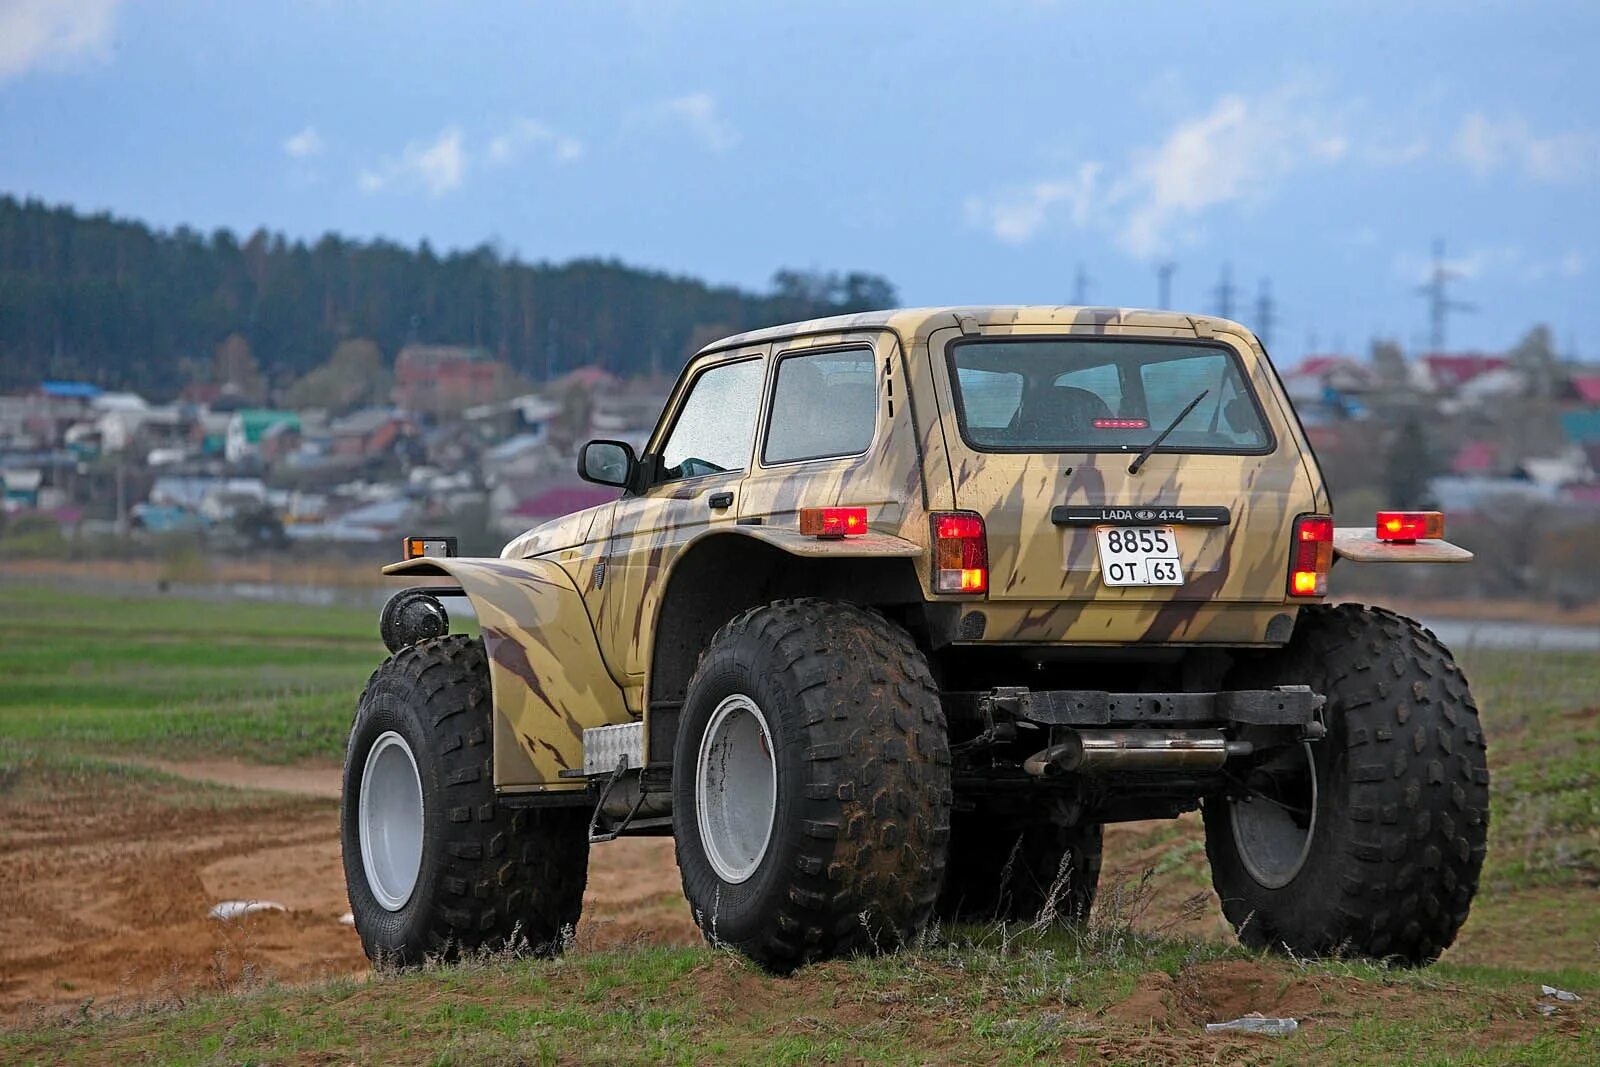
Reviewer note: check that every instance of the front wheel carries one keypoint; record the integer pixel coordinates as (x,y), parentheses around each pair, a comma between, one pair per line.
(1370,841)
(433,863)
(811,785)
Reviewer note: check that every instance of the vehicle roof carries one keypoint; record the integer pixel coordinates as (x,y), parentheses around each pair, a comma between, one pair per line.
(914,324)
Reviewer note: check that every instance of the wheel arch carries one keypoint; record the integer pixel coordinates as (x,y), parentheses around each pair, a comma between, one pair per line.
(723,573)
(546,673)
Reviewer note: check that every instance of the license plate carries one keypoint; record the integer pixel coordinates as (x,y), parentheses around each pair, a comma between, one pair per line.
(1139,555)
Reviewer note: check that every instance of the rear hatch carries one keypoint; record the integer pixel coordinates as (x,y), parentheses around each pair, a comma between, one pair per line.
(1042,429)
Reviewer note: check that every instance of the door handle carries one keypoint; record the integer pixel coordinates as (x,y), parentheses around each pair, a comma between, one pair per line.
(718,501)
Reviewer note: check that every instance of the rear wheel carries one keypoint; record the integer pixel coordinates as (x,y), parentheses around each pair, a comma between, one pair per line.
(434,864)
(811,785)
(1010,870)
(1370,841)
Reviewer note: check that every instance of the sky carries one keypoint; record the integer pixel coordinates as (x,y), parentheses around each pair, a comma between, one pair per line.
(970,153)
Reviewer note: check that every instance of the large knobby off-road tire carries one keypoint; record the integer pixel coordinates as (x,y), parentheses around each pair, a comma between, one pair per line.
(1397,809)
(811,785)
(435,866)
(1007,870)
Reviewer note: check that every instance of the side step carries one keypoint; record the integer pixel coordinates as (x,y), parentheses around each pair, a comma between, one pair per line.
(605,746)
(613,758)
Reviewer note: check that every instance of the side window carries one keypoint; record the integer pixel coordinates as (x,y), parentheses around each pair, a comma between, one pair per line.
(823,405)
(716,425)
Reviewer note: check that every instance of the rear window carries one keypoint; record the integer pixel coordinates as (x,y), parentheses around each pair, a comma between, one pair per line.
(1053,394)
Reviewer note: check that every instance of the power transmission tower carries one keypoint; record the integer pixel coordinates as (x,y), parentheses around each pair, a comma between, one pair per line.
(1225,291)
(1436,290)
(1164,273)
(1080,287)
(1266,313)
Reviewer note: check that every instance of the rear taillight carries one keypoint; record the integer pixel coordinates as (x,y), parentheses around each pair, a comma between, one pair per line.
(960,553)
(1409,525)
(1310,556)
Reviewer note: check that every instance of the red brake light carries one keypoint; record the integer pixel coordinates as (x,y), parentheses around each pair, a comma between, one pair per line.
(1409,525)
(833,522)
(1311,556)
(960,553)
(1121,424)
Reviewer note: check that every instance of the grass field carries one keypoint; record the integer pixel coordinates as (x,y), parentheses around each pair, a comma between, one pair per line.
(90,682)
(176,679)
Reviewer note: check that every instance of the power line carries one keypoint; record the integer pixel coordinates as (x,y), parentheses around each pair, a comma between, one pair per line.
(1164,272)
(1224,292)
(1440,305)
(1266,313)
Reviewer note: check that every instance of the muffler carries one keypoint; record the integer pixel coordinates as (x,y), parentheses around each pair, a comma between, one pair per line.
(1103,751)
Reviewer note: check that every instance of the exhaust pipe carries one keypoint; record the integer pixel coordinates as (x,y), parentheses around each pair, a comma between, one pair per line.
(1101,751)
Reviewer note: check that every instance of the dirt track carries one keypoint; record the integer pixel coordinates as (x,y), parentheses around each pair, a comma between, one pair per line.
(110,902)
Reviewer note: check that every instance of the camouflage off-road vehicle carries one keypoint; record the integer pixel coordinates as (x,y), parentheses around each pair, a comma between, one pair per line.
(893,614)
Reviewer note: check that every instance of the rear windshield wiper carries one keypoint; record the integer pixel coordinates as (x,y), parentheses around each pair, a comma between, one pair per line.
(1138,461)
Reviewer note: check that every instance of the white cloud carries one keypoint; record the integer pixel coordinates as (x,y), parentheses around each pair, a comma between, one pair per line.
(53,33)
(699,115)
(1488,145)
(1240,150)
(1416,268)
(305,144)
(1237,152)
(1016,215)
(438,166)
(526,134)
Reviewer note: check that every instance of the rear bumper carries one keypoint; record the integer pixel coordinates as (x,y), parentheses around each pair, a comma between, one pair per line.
(1289,705)
(1188,619)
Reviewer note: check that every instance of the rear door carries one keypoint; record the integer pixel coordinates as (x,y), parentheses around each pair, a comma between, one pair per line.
(1043,425)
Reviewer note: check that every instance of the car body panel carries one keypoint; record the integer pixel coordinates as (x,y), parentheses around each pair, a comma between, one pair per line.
(548,678)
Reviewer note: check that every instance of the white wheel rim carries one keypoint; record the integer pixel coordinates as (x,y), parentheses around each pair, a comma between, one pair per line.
(736,788)
(389,815)
(1272,847)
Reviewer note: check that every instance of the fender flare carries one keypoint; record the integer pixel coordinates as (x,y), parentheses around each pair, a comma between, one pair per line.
(548,678)
(784,540)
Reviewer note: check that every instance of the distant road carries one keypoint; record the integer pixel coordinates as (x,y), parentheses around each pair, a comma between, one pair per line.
(1490,633)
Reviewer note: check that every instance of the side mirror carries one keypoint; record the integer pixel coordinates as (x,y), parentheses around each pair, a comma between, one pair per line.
(608,463)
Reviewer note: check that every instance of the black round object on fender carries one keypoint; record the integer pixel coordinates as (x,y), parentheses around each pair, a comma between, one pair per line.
(412,616)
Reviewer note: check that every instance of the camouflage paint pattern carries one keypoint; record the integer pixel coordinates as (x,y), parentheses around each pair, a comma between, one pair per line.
(544,666)
(586,637)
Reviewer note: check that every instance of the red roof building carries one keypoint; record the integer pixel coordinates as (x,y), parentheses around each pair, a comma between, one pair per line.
(1452,371)
(438,378)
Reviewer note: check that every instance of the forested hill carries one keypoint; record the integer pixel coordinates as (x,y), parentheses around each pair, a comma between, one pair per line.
(117,303)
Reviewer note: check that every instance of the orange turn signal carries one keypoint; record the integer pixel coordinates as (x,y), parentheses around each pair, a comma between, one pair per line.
(417,547)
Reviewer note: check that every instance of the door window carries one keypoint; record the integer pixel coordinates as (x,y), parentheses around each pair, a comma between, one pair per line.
(716,426)
(823,405)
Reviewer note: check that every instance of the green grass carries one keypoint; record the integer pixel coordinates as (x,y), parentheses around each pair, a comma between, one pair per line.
(977,996)
(175,679)
(1542,717)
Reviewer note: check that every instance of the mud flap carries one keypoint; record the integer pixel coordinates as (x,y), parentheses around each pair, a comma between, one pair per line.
(549,681)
